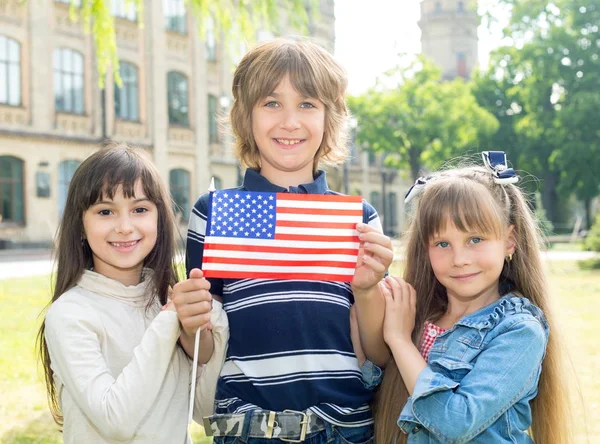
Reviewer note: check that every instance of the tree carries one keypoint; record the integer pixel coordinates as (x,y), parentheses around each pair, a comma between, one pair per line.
(550,77)
(233,18)
(418,120)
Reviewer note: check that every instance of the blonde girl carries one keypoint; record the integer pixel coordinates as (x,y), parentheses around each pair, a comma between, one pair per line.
(470,326)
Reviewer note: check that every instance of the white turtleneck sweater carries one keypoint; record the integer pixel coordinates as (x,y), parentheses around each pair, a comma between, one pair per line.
(119,373)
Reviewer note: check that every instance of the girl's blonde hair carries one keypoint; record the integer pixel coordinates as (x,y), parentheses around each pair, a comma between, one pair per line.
(313,73)
(472,201)
(99,176)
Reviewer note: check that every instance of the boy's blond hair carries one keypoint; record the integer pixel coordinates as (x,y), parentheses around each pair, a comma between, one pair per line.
(312,72)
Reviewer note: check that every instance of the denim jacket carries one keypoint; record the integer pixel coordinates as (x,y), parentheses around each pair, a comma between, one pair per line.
(482,373)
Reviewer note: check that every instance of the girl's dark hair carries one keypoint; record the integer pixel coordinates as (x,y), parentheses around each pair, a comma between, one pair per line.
(98,177)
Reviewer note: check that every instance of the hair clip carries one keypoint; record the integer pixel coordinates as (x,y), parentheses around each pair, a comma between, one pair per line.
(495,162)
(416,189)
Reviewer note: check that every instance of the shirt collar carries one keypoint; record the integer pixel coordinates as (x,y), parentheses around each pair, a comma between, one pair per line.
(253,181)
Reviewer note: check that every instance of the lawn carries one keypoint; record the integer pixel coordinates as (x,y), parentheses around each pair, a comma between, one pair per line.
(23,408)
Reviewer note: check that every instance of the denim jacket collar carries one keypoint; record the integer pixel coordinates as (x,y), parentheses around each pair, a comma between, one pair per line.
(253,181)
(489,316)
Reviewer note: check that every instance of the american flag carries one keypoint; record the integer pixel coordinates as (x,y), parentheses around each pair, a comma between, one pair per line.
(281,236)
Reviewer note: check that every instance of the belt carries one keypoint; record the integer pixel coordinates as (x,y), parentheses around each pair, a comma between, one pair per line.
(289,425)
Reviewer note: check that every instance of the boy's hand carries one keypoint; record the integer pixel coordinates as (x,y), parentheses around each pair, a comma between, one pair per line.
(400,309)
(375,255)
(193,302)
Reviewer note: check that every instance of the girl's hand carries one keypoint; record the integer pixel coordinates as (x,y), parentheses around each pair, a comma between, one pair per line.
(400,309)
(375,255)
(193,302)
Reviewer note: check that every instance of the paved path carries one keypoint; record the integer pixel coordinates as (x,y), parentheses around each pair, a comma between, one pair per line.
(24,263)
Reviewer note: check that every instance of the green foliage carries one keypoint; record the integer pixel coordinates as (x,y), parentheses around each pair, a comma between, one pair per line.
(233,19)
(543,89)
(418,120)
(592,241)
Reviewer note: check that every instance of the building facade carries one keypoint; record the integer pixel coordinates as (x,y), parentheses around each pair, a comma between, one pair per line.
(449,35)
(175,86)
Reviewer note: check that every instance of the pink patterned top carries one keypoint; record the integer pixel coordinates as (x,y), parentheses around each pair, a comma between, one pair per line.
(430,332)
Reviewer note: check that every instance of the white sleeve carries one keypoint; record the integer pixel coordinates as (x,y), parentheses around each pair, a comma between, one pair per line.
(208,374)
(118,406)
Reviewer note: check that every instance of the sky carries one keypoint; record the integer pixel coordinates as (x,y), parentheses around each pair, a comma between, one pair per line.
(370,34)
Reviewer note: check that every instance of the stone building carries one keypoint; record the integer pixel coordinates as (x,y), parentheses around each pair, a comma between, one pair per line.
(449,35)
(175,86)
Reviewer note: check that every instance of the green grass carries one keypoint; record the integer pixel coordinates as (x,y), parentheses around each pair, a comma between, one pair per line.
(23,407)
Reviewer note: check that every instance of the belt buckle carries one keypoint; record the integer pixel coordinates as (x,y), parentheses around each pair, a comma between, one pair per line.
(303,426)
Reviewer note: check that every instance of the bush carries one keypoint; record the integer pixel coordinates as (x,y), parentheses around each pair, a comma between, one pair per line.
(592,241)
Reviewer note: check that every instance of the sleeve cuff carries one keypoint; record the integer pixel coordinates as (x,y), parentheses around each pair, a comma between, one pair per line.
(372,375)
(428,382)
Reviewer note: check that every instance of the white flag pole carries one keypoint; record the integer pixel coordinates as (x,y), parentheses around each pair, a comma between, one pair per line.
(211,190)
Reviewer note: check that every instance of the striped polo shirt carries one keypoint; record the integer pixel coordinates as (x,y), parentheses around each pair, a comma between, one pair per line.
(289,345)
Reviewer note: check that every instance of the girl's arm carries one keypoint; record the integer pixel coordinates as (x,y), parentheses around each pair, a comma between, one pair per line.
(374,258)
(115,405)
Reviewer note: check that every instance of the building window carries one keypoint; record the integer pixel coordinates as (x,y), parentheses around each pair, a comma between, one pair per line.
(126,97)
(376,201)
(68,81)
(10,71)
(461,64)
(179,184)
(177,98)
(175,19)
(218,183)
(392,208)
(213,128)
(66,169)
(372,158)
(123,9)
(461,6)
(12,199)
(438,6)
(211,41)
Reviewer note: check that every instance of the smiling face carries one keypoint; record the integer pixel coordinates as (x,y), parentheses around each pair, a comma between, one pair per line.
(288,129)
(121,233)
(468,263)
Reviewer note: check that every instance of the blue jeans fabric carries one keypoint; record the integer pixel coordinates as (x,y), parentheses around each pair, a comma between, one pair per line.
(331,435)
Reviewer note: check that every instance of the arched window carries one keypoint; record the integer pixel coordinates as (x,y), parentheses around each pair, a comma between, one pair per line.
(66,169)
(174,11)
(68,81)
(179,184)
(177,98)
(10,71)
(12,199)
(126,97)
